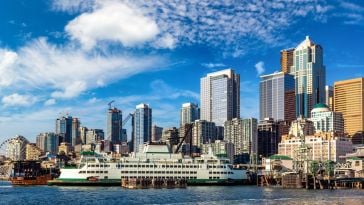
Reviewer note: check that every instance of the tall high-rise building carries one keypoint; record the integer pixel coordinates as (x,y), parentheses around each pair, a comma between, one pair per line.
(124,136)
(76,137)
(275,98)
(243,134)
(220,96)
(203,132)
(64,128)
(329,96)
(325,120)
(309,72)
(189,113)
(156,133)
(287,60)
(114,125)
(142,132)
(48,142)
(16,148)
(171,135)
(349,100)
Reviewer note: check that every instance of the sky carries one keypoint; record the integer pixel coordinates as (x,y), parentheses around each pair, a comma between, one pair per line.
(75,56)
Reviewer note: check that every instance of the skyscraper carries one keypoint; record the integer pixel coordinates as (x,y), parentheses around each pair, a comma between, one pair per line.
(309,72)
(202,132)
(220,96)
(64,128)
(189,113)
(329,96)
(114,125)
(76,137)
(287,60)
(142,132)
(48,142)
(275,100)
(349,100)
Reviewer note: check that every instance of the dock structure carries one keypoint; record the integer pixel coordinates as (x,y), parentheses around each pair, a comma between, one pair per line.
(144,183)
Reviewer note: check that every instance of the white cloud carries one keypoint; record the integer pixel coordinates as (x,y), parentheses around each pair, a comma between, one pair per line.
(68,71)
(232,26)
(49,102)
(16,99)
(213,65)
(116,22)
(259,67)
(7,60)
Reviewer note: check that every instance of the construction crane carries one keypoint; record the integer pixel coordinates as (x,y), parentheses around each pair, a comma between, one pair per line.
(126,119)
(189,130)
(110,104)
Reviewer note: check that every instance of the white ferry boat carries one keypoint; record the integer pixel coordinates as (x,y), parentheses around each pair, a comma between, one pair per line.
(156,161)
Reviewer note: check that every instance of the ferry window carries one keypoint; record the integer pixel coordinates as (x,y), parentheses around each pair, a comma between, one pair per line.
(163,166)
(210,172)
(210,177)
(179,172)
(143,165)
(105,172)
(92,172)
(96,172)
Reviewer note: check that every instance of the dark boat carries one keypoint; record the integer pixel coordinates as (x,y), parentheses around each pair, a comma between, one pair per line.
(30,173)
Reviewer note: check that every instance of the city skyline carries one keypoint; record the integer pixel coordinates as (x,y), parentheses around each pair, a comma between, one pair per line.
(163,68)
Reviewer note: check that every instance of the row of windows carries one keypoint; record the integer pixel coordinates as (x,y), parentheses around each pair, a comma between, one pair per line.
(92,172)
(221,173)
(219,166)
(156,166)
(214,177)
(98,165)
(158,172)
(189,177)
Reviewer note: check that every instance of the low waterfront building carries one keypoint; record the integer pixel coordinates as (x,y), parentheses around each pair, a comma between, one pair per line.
(278,163)
(322,146)
(32,152)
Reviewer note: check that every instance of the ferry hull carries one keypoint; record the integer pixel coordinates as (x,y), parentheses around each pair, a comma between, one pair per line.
(84,182)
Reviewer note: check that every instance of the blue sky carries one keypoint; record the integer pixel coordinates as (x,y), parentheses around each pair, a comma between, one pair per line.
(74,56)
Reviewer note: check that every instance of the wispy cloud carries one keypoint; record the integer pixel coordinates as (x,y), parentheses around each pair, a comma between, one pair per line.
(259,67)
(213,65)
(16,99)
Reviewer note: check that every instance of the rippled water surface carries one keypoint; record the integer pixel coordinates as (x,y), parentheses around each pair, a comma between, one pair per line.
(191,195)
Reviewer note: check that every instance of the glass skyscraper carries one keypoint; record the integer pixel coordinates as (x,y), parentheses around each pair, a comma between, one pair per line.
(64,128)
(220,96)
(275,98)
(142,126)
(114,125)
(189,113)
(309,72)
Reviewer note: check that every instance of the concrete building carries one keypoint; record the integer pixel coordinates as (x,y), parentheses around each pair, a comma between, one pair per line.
(124,136)
(309,71)
(156,133)
(325,120)
(65,148)
(94,135)
(76,137)
(329,96)
(48,142)
(243,134)
(220,96)
(276,98)
(142,126)
(220,148)
(83,131)
(16,148)
(287,60)
(114,125)
(32,152)
(349,100)
(189,113)
(323,146)
(64,128)
(269,136)
(203,132)
(170,135)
